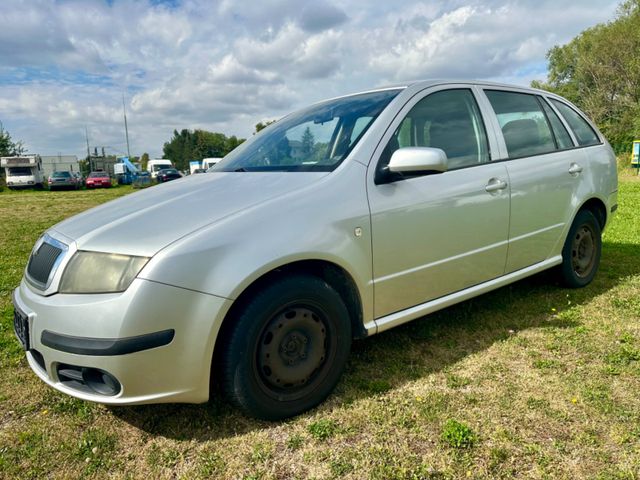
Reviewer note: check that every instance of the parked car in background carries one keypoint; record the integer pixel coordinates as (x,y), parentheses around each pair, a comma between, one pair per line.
(167,174)
(199,170)
(98,179)
(63,180)
(429,193)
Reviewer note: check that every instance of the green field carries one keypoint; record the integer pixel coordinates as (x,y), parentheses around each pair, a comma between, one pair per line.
(529,381)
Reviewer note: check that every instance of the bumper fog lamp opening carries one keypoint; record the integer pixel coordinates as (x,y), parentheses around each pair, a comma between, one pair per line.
(88,380)
(100,382)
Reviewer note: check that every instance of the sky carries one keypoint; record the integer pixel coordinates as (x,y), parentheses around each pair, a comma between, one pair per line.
(225,65)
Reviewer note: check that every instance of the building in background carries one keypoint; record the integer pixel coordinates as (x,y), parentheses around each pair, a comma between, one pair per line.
(59,163)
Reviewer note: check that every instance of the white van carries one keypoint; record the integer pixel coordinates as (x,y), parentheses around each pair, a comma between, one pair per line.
(154,166)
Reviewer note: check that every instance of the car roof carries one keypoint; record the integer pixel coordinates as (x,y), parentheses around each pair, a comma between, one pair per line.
(421,84)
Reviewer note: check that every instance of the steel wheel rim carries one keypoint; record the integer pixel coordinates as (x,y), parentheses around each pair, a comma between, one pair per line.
(293,351)
(583,251)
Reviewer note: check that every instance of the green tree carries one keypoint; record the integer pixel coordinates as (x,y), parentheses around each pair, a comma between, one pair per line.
(599,71)
(7,146)
(144,160)
(308,141)
(263,125)
(188,145)
(232,142)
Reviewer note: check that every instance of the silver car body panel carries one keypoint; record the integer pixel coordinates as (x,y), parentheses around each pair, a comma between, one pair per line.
(411,247)
(225,257)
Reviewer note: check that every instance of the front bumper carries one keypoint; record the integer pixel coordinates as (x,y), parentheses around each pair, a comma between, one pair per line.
(20,183)
(177,371)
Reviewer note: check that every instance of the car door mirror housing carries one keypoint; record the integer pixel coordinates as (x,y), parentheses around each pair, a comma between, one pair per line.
(418,160)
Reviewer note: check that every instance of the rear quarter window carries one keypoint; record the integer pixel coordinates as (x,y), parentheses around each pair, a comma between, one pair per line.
(584,133)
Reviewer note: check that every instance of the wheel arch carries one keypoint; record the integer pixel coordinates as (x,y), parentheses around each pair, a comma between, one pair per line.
(330,272)
(333,274)
(598,208)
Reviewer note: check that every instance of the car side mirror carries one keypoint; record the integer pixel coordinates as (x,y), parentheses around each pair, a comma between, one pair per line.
(417,160)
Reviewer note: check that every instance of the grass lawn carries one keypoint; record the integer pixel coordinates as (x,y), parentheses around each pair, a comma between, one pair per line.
(529,381)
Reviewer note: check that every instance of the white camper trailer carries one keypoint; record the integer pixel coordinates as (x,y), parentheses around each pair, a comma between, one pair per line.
(23,171)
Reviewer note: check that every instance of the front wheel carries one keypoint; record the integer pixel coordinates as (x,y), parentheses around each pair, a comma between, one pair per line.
(581,251)
(287,348)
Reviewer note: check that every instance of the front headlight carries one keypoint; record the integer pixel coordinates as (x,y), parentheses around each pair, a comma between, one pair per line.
(94,272)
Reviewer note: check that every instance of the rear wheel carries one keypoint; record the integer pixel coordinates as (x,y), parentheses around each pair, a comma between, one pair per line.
(287,348)
(581,251)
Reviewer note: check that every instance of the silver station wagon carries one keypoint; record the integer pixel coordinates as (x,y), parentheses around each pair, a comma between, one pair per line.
(337,222)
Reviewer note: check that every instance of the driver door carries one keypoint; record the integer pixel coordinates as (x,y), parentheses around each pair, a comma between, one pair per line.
(435,234)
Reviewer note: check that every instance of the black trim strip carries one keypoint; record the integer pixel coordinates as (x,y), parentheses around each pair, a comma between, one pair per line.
(106,346)
(614,208)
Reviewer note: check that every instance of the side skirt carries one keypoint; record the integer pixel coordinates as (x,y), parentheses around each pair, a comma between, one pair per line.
(393,320)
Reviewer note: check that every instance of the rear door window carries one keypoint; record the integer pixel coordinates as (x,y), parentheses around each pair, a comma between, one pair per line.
(524,125)
(583,131)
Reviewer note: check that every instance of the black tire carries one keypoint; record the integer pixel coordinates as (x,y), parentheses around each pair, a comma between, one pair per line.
(581,251)
(286,349)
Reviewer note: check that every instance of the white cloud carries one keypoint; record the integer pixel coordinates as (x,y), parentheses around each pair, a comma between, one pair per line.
(224,65)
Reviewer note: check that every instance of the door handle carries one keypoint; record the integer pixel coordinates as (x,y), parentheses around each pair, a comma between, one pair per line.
(495,184)
(575,169)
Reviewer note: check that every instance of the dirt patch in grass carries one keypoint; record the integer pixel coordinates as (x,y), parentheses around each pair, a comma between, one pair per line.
(529,381)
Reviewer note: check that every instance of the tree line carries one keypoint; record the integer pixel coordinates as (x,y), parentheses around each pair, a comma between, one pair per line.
(187,145)
(599,71)
(8,147)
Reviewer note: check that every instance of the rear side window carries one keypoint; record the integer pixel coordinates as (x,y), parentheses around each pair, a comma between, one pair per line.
(449,120)
(524,125)
(561,134)
(583,131)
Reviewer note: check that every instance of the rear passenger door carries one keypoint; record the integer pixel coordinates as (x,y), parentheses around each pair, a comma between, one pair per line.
(544,166)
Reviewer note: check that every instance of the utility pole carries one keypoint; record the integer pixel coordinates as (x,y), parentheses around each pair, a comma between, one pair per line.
(126,130)
(86,136)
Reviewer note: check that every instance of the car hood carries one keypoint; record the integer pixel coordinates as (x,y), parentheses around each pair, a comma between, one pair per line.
(144,222)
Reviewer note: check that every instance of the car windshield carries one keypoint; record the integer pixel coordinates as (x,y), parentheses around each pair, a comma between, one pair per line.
(315,139)
(172,171)
(157,168)
(20,171)
(61,174)
(97,175)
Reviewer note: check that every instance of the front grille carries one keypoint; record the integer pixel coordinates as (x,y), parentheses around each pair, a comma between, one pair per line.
(42,261)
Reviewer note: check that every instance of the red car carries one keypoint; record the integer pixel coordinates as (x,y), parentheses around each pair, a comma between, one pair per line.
(98,179)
